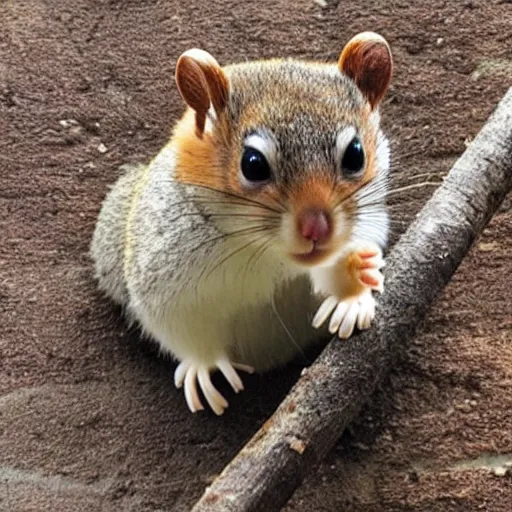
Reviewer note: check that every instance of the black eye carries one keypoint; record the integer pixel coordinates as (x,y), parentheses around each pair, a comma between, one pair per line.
(254,166)
(352,161)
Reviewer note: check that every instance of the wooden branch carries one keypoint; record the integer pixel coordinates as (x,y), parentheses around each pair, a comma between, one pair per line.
(331,392)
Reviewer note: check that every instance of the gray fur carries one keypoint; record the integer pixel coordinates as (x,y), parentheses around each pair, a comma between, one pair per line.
(108,242)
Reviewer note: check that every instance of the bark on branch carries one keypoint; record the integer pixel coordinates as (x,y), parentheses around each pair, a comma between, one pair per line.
(330,393)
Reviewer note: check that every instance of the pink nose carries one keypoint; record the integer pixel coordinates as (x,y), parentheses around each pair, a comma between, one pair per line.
(314,225)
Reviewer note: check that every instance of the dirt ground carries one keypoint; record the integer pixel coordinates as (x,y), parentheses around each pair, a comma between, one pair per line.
(89,417)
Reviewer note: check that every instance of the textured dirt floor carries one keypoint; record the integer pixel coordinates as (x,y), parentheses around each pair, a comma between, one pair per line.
(89,417)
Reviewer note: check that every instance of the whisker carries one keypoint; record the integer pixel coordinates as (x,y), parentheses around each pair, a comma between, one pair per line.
(265,246)
(414,186)
(364,214)
(381,189)
(240,232)
(289,334)
(208,201)
(346,198)
(368,221)
(381,203)
(422,175)
(230,255)
(256,255)
(253,256)
(272,220)
(400,204)
(244,199)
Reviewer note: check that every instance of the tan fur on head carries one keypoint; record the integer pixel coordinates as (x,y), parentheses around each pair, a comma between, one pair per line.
(367,60)
(201,83)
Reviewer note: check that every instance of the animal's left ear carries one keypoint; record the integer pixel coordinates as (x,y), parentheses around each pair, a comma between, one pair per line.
(367,60)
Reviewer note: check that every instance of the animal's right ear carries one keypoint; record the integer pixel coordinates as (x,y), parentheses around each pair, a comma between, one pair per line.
(201,83)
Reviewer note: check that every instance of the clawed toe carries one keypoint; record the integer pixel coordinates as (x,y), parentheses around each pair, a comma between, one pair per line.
(188,374)
(324,311)
(230,375)
(366,311)
(349,311)
(346,314)
(373,278)
(370,264)
(215,400)
(179,374)
(191,395)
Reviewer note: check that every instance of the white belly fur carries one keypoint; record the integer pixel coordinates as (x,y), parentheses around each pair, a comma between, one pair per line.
(222,321)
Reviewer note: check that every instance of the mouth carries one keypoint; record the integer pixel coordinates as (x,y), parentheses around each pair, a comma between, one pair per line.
(315,255)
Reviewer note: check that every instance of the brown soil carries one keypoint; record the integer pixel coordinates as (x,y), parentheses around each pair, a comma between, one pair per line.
(89,417)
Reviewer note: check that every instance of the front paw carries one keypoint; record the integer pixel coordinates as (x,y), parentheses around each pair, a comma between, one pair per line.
(362,271)
(188,373)
(345,314)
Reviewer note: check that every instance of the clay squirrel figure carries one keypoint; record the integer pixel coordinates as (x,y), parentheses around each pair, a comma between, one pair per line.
(261,221)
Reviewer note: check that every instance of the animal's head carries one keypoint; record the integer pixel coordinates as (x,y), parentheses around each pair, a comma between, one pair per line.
(293,149)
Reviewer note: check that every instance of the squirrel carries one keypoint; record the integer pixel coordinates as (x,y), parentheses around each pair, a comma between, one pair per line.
(262,222)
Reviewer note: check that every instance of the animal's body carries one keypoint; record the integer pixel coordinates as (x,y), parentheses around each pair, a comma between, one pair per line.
(266,206)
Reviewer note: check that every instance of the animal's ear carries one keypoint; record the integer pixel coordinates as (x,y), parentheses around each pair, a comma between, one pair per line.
(201,83)
(367,60)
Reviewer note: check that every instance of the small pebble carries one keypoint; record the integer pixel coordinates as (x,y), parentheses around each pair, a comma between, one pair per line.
(66,123)
(500,471)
